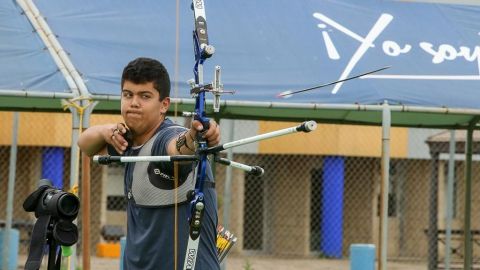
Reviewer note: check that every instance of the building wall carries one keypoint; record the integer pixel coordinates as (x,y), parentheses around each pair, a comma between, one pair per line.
(328,139)
(415,209)
(475,202)
(288,162)
(235,210)
(288,204)
(359,201)
(26,180)
(45,129)
(113,183)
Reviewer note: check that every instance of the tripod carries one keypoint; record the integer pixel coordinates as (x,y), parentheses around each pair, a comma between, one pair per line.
(54,250)
(54,233)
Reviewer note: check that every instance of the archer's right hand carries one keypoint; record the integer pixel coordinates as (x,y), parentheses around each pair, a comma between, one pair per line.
(118,138)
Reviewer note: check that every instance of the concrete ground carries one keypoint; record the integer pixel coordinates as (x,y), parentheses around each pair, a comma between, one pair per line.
(268,263)
(261,263)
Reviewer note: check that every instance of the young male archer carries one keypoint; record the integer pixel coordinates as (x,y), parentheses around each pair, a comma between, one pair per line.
(155,196)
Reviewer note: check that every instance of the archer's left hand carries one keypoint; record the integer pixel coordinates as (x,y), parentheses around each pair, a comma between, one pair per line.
(212,135)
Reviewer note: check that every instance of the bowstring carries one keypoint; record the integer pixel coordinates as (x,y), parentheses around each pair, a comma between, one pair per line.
(175,239)
(175,164)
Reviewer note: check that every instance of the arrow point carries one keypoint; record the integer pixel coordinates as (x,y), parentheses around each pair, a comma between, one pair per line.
(285,94)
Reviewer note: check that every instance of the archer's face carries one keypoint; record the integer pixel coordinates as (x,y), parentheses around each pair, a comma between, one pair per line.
(142,110)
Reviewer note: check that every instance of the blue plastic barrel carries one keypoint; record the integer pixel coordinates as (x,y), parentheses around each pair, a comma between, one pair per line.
(52,165)
(123,242)
(13,248)
(362,257)
(332,206)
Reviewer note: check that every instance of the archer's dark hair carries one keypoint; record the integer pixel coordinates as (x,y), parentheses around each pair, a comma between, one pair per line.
(145,70)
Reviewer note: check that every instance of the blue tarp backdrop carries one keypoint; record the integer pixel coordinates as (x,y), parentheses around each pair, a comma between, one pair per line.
(264,47)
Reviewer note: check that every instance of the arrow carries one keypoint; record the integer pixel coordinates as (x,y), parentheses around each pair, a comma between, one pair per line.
(289,93)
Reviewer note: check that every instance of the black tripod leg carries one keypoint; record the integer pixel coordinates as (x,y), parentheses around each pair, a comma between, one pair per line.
(37,243)
(51,255)
(54,259)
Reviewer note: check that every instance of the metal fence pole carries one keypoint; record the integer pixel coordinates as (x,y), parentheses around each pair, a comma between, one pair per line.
(468,196)
(433,213)
(449,203)
(386,123)
(227,196)
(10,193)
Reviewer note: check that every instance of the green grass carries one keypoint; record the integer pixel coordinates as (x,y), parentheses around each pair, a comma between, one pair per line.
(247,265)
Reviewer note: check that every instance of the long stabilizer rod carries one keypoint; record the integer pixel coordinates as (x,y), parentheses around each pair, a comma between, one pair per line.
(304,127)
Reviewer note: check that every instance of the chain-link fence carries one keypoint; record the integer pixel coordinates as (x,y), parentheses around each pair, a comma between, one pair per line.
(320,192)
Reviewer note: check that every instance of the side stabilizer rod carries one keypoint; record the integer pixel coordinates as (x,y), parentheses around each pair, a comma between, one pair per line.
(252,170)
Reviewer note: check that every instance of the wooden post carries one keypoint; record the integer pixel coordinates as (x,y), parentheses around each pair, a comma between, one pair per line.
(85,206)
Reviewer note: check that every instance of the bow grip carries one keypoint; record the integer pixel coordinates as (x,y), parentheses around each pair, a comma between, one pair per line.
(206,125)
(205,122)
